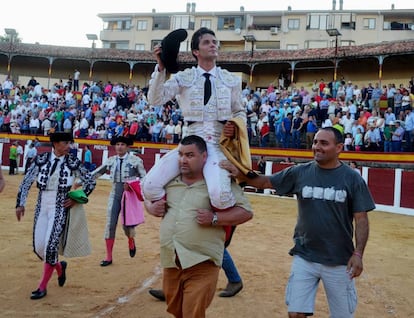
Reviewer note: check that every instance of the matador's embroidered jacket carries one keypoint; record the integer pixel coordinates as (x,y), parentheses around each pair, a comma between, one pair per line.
(69,170)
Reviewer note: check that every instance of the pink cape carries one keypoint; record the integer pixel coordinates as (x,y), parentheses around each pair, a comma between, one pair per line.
(132,209)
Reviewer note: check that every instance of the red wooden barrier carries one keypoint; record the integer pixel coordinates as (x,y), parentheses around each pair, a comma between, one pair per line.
(407,189)
(381,185)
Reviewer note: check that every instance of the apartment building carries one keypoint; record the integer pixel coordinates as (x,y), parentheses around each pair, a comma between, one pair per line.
(261,30)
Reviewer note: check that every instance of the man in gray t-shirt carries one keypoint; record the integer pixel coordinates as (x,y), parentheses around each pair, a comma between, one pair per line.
(327,201)
(331,199)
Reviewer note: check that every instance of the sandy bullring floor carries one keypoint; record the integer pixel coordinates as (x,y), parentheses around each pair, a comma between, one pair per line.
(259,248)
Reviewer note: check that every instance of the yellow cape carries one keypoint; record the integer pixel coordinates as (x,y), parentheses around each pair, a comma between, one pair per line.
(237,150)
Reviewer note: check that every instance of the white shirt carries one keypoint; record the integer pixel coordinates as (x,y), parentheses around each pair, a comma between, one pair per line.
(31,153)
(169,129)
(86,99)
(34,122)
(53,180)
(7,84)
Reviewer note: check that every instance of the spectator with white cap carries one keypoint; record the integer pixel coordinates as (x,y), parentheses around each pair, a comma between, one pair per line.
(264,132)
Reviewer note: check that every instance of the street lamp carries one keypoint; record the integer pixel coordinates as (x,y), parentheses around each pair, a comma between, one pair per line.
(12,33)
(335,33)
(93,38)
(250,38)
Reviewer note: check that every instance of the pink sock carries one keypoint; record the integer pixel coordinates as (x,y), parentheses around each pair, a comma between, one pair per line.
(58,268)
(47,273)
(131,243)
(109,247)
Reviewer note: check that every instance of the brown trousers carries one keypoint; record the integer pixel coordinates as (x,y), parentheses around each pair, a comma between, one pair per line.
(190,291)
(309,139)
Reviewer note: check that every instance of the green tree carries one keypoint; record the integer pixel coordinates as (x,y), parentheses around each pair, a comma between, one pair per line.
(10,37)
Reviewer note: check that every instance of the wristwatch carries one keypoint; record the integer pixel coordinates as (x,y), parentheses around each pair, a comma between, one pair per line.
(215,219)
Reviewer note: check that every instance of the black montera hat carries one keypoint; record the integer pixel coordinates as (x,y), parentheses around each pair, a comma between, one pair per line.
(170,48)
(60,136)
(125,140)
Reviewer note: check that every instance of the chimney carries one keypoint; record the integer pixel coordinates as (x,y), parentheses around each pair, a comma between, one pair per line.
(153,11)
(392,6)
(188,7)
(193,5)
(333,5)
(341,5)
(289,8)
(241,9)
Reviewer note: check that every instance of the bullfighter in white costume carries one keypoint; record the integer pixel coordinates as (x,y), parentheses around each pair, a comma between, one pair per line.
(207,120)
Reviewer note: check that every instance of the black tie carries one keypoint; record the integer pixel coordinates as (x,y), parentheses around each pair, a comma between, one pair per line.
(55,163)
(207,88)
(120,169)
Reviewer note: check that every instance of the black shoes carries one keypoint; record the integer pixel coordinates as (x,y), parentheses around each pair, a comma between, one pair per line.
(232,289)
(132,249)
(157,293)
(38,294)
(62,278)
(105,263)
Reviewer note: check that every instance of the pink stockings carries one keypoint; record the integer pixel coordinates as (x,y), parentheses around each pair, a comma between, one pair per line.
(47,274)
(109,247)
(131,243)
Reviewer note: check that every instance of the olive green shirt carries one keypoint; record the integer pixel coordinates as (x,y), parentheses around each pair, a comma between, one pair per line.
(181,235)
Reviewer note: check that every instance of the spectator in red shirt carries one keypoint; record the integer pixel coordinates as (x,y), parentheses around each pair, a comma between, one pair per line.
(264,133)
(133,129)
(322,86)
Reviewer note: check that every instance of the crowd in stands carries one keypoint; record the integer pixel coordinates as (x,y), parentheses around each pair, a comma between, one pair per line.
(371,118)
